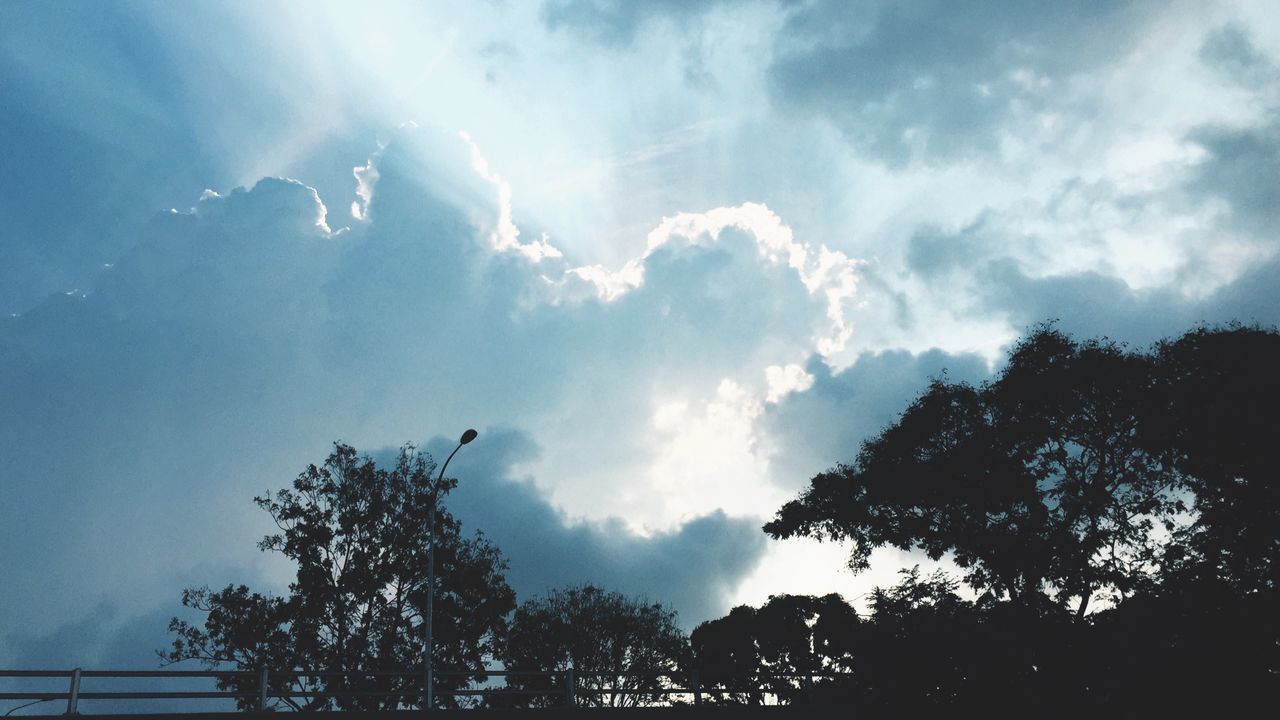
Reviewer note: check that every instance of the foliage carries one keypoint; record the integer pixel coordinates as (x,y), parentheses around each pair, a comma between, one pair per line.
(618,648)
(740,656)
(1062,478)
(358,536)
(1219,418)
(1198,648)
(1115,513)
(922,648)
(1083,470)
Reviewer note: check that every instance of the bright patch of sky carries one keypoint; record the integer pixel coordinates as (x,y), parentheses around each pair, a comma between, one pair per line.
(671,259)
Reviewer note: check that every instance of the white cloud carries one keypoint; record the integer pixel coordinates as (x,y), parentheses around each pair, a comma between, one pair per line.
(827,273)
(783,380)
(240,338)
(505,235)
(366,179)
(704,456)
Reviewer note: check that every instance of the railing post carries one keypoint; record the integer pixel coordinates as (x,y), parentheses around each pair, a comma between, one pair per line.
(569,698)
(696,683)
(808,687)
(263,678)
(73,696)
(428,689)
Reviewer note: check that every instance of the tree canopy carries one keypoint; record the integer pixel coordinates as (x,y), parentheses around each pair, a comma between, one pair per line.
(358,536)
(619,648)
(1218,418)
(1073,474)
(740,656)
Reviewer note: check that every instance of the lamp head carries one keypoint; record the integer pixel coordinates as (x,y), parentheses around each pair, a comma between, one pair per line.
(468,436)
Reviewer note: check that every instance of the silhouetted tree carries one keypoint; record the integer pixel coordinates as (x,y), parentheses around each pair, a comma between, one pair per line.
(727,656)
(1037,483)
(358,535)
(1084,469)
(1219,418)
(775,649)
(620,649)
(922,647)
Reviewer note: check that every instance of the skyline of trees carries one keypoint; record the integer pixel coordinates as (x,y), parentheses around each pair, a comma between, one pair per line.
(1114,515)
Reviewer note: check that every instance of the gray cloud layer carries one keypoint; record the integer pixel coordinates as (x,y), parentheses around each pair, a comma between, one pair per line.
(810,431)
(939,80)
(234,342)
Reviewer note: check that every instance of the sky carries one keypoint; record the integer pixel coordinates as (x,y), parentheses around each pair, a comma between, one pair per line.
(671,259)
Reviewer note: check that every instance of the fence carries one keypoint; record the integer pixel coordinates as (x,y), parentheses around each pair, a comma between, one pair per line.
(566,686)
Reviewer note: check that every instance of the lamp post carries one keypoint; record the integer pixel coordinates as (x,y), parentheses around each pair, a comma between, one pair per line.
(467,437)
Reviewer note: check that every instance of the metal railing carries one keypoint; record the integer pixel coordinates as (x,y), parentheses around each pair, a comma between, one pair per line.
(565,685)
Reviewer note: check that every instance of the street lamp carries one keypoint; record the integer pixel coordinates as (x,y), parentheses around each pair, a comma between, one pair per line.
(467,437)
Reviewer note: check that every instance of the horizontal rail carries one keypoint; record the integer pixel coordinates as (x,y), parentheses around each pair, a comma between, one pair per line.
(397,673)
(169,673)
(158,695)
(568,685)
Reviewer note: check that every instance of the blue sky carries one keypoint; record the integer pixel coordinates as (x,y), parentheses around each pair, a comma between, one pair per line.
(670,258)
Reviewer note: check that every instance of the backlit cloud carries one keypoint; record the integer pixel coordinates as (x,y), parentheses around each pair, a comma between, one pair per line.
(670,258)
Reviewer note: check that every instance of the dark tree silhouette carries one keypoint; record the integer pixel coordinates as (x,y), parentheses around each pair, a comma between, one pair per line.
(611,641)
(922,646)
(1219,418)
(358,535)
(750,651)
(1084,470)
(1038,483)
(1199,648)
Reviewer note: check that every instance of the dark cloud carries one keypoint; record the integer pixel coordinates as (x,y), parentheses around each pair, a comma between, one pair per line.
(141,418)
(937,80)
(1092,305)
(234,342)
(110,118)
(1230,51)
(104,636)
(1242,168)
(63,175)
(810,431)
(103,640)
(690,568)
(971,267)
(932,251)
(991,266)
